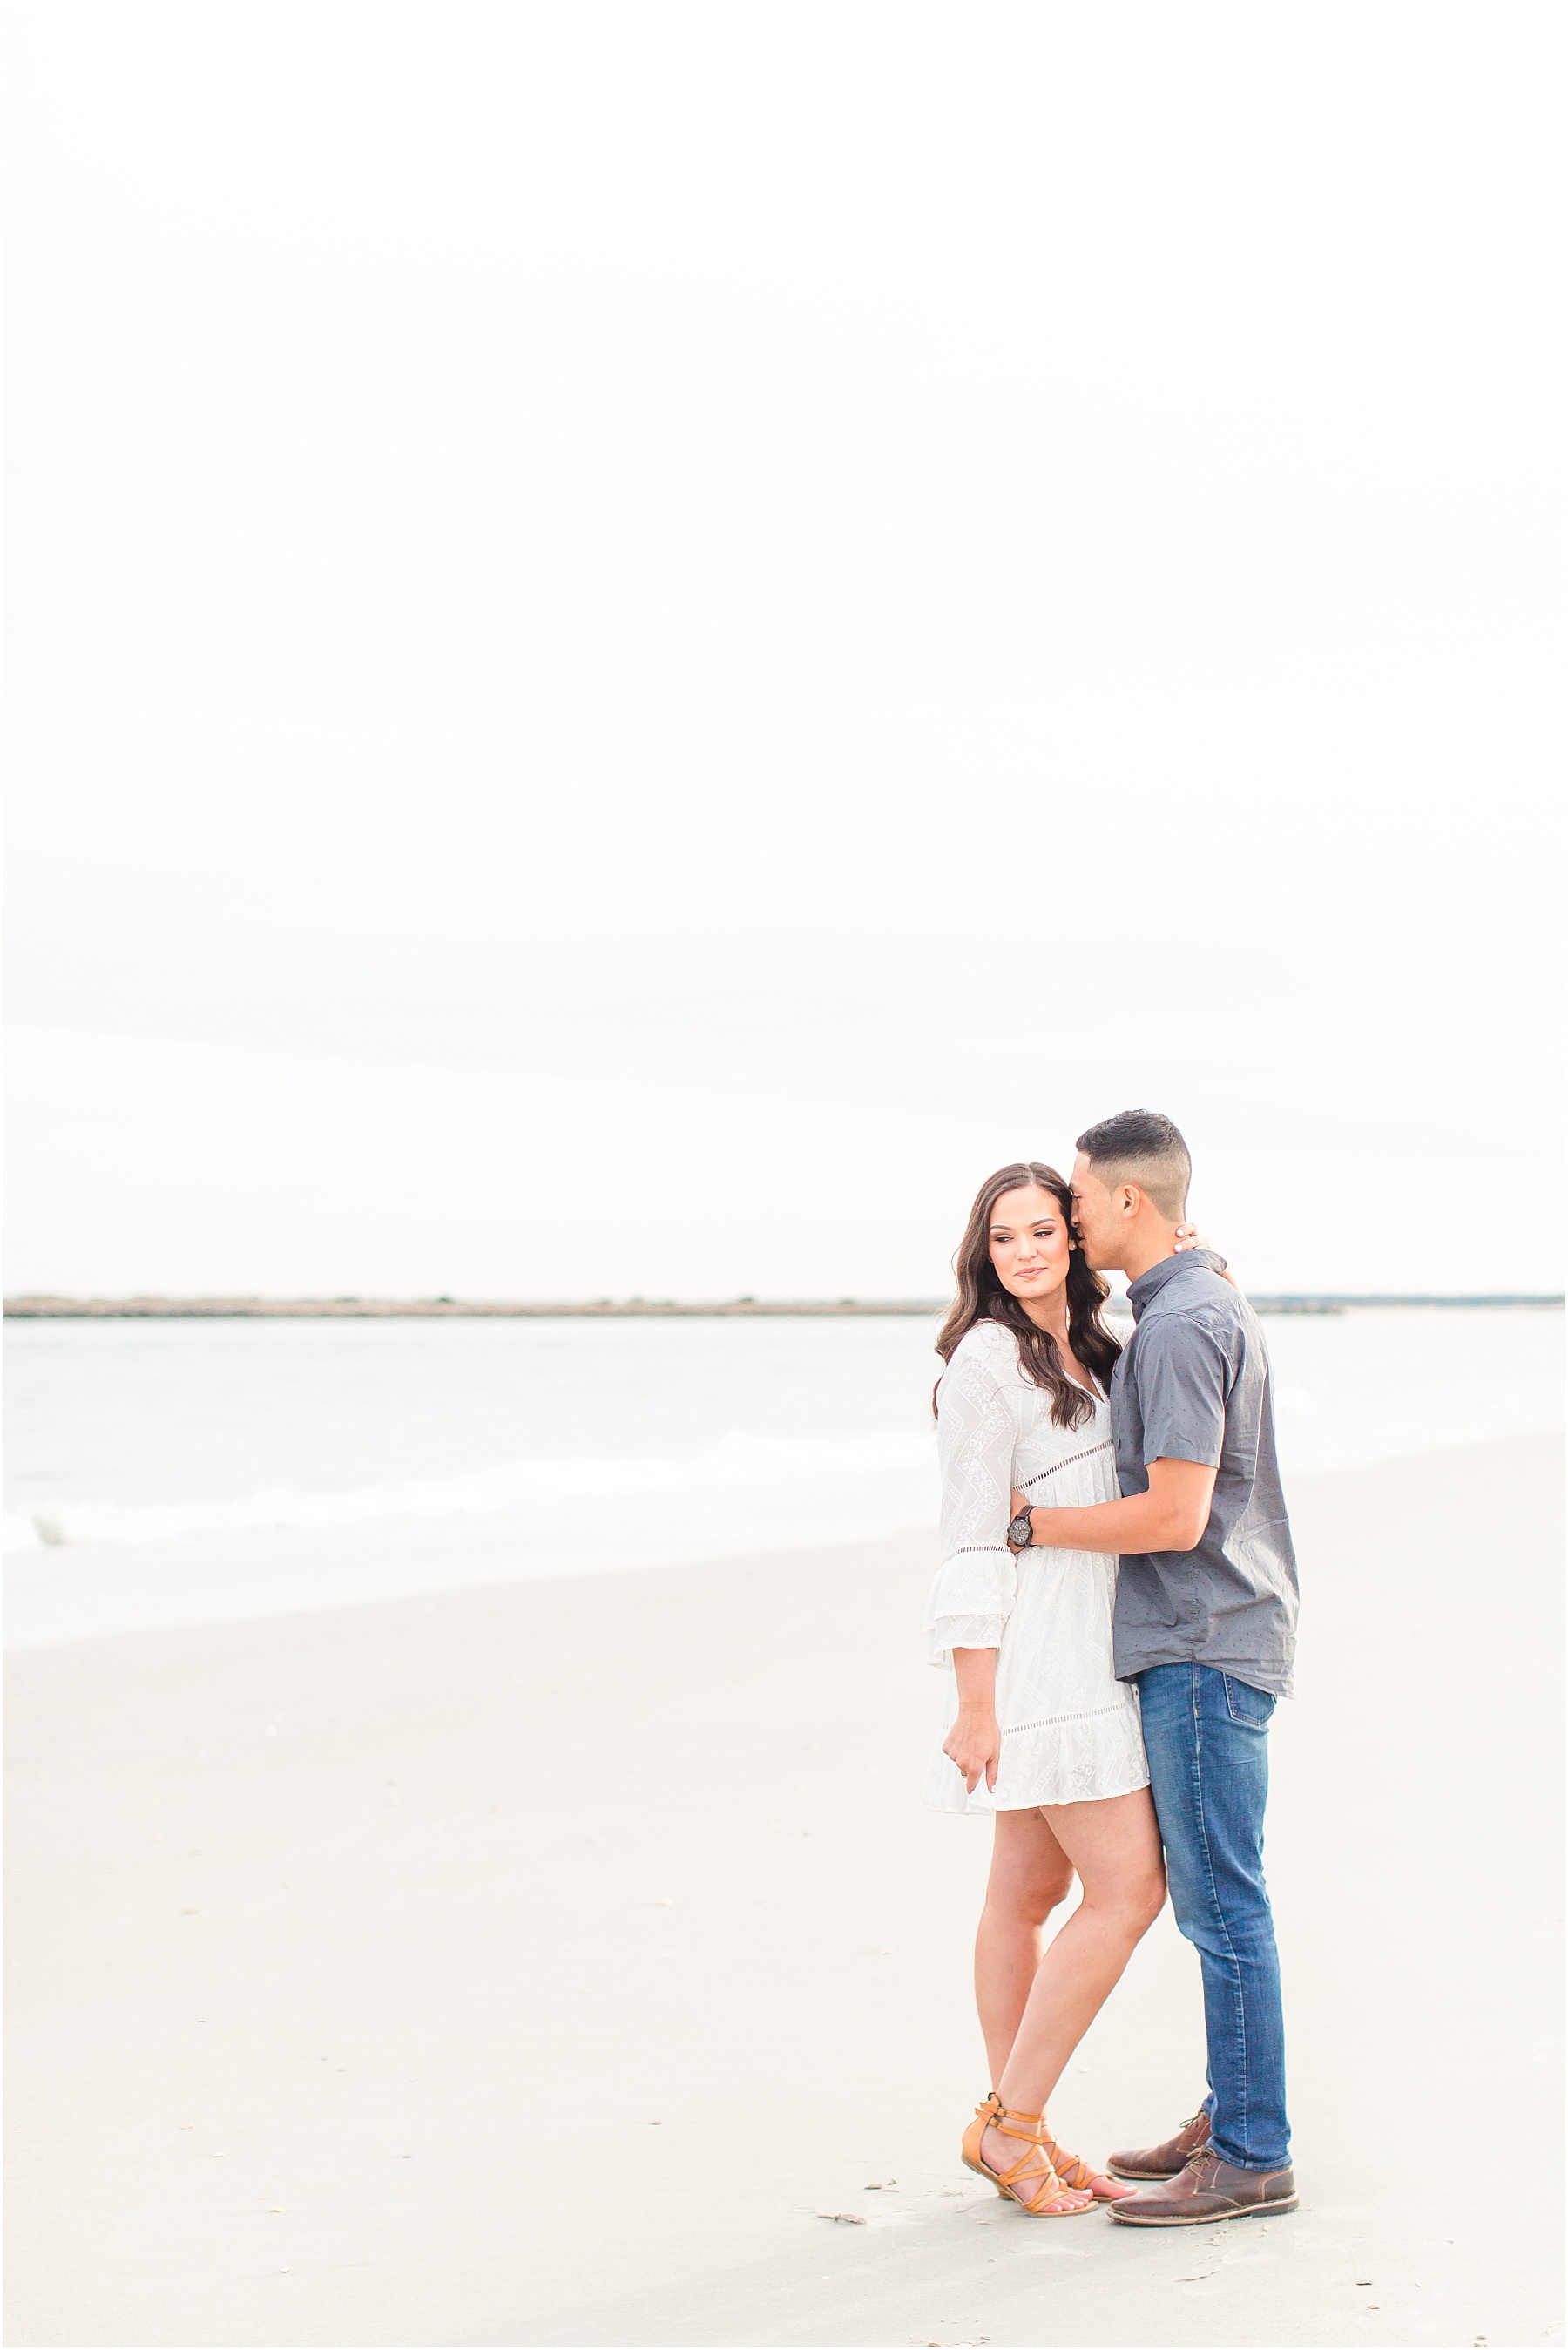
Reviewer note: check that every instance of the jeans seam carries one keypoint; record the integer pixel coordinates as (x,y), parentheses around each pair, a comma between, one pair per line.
(1237,1992)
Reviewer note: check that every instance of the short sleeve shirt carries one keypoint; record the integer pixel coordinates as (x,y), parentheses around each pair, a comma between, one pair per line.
(1193,1383)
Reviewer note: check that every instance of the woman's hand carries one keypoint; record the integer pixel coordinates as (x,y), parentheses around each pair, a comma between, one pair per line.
(975,1744)
(1187,1236)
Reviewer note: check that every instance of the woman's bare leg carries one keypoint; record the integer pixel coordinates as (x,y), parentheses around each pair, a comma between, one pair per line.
(1115,1847)
(1031,1876)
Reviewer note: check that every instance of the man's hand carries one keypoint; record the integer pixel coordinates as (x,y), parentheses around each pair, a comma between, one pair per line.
(975,1744)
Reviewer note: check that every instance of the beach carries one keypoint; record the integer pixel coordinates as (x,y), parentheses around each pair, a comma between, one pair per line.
(657,644)
(534,1962)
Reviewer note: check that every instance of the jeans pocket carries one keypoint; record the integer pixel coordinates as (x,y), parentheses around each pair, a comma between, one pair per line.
(1252,1706)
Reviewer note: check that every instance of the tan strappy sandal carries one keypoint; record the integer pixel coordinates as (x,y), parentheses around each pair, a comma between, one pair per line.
(1030,2130)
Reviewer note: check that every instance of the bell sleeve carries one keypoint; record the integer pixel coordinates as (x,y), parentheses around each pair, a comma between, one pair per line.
(973,1593)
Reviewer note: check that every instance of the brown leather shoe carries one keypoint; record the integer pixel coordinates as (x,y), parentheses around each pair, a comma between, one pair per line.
(1206,2188)
(1163,2161)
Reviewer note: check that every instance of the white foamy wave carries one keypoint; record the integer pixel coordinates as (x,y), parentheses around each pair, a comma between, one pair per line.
(731,1463)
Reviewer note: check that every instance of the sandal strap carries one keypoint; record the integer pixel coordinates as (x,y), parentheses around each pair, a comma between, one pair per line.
(997,2117)
(1052,2184)
(1071,2168)
(1004,2115)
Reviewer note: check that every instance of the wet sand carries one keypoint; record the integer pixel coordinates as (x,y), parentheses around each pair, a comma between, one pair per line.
(531,1964)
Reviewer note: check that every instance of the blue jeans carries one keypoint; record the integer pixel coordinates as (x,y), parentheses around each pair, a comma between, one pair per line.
(1207,1736)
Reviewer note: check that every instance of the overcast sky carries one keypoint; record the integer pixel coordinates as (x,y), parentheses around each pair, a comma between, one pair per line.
(808,597)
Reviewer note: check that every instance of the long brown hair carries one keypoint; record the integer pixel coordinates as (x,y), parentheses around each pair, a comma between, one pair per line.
(982,1298)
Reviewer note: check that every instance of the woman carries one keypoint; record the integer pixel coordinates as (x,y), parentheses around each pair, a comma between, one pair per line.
(1040,1733)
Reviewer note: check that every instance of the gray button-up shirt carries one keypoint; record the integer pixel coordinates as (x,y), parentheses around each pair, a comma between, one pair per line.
(1193,1384)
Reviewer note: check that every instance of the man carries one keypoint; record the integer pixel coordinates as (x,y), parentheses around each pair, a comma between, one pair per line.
(1205,1625)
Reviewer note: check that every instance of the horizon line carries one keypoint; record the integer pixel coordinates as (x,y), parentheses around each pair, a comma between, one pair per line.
(50,1305)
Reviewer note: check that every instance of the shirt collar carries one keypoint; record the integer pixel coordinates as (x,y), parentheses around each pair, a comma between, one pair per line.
(1149,1285)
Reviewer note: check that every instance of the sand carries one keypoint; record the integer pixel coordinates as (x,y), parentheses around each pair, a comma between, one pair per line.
(533,1964)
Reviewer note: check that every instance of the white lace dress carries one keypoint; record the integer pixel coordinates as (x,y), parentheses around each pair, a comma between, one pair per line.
(1070,1730)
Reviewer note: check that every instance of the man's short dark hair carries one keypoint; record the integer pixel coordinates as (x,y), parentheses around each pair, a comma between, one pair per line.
(1141,1147)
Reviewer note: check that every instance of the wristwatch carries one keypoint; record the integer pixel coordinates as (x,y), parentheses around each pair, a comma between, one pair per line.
(1019,1532)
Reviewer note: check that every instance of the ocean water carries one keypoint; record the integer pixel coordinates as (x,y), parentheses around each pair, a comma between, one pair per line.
(164,1472)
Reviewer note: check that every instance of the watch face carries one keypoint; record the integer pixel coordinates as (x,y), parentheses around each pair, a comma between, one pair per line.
(1019,1529)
